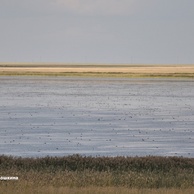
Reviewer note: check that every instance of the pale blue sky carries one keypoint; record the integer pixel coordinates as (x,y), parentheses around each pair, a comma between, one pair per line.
(97,31)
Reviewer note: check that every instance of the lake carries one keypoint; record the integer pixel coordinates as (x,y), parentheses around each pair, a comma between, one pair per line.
(59,116)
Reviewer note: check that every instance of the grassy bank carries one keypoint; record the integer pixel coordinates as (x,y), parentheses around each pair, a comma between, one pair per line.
(67,174)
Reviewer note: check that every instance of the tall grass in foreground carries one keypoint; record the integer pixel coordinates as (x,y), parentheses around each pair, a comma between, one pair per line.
(92,190)
(98,175)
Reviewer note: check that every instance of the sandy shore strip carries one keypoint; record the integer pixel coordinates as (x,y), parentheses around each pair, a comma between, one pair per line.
(162,70)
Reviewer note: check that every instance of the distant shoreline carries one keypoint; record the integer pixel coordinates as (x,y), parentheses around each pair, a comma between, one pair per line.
(97,70)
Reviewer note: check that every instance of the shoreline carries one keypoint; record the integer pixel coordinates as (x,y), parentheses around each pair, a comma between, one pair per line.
(97,70)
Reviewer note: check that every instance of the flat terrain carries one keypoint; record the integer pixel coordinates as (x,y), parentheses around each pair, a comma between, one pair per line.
(97,70)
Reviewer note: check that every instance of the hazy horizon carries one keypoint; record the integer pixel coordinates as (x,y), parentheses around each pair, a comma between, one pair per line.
(96,31)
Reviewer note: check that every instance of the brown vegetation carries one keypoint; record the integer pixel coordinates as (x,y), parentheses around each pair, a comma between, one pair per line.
(78,171)
(98,70)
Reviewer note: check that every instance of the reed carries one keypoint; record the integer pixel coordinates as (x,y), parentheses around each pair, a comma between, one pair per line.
(83,172)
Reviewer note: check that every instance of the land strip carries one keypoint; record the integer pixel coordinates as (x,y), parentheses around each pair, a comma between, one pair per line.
(98,70)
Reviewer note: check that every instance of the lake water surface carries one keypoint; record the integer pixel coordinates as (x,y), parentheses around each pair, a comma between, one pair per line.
(59,116)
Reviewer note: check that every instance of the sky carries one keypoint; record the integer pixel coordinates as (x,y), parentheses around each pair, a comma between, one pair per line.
(97,31)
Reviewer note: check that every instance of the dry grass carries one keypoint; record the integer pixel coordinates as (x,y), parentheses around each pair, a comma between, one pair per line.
(90,190)
(77,174)
(141,70)
(98,70)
